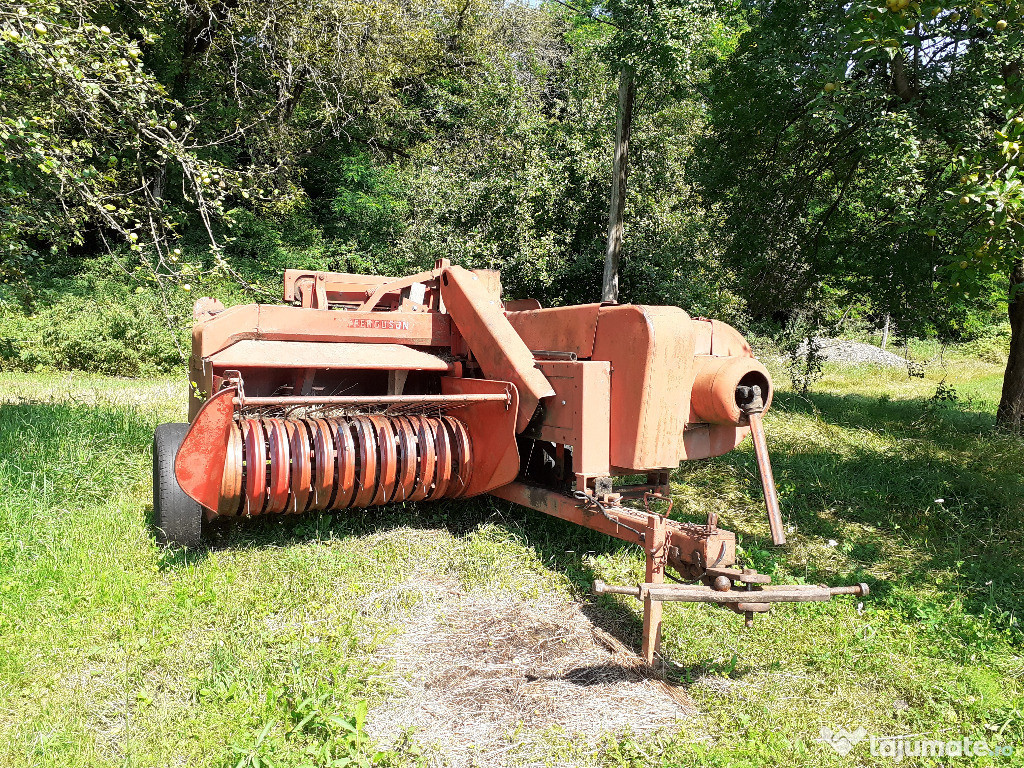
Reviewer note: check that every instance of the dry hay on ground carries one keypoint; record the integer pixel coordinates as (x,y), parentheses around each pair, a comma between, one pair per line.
(486,677)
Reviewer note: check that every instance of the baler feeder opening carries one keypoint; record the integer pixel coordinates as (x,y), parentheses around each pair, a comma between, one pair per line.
(276,465)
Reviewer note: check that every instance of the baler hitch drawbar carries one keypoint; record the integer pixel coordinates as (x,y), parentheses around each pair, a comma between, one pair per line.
(366,391)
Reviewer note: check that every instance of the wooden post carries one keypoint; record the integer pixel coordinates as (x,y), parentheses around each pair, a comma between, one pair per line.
(620,170)
(656,559)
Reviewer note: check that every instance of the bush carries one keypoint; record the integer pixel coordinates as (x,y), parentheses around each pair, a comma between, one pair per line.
(122,326)
(994,348)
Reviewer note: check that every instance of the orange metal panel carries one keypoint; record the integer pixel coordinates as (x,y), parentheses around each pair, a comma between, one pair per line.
(521,305)
(421,329)
(325,355)
(491,427)
(579,414)
(713,337)
(297,324)
(494,342)
(563,329)
(199,465)
(651,354)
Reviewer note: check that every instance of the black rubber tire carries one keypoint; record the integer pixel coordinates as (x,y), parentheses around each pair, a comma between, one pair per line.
(177,518)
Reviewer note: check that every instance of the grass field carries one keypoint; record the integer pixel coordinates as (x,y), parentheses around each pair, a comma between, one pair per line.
(269,647)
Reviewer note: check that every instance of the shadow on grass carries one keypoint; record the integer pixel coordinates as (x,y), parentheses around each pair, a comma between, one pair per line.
(937,500)
(966,549)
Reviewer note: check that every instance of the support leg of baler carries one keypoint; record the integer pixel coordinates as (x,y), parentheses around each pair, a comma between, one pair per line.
(657,557)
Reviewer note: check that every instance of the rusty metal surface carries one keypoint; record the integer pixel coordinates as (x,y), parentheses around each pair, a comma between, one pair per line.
(278,449)
(302,466)
(254,453)
(651,356)
(579,414)
(656,545)
(462,462)
(764,467)
(296,324)
(492,427)
(686,543)
(326,354)
(231,485)
(395,285)
(563,329)
(408,457)
(498,349)
(698,593)
(199,465)
(735,574)
(356,400)
(713,398)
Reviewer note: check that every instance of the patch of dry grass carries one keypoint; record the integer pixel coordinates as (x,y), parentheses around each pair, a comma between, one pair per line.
(484,678)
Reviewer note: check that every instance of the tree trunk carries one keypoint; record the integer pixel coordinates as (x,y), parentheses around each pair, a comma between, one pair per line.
(1011,404)
(885,331)
(620,170)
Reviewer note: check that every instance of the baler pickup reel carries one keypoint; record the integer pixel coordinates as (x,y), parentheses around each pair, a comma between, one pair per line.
(365,391)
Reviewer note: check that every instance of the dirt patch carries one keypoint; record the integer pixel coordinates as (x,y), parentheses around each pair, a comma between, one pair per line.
(486,677)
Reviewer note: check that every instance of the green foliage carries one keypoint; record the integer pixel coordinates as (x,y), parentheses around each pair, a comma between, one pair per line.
(837,172)
(779,164)
(103,320)
(90,142)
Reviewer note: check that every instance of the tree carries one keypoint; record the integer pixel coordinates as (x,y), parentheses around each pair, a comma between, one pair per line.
(657,46)
(843,136)
(85,131)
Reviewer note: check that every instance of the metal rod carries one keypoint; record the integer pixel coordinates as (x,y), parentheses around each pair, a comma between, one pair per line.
(553,354)
(372,400)
(697,593)
(764,467)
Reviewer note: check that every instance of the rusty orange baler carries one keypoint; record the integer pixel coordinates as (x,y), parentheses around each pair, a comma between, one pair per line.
(364,391)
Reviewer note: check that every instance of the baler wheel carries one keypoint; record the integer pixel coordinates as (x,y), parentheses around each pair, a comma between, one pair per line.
(178,519)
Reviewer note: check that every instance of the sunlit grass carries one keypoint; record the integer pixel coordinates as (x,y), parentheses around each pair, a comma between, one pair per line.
(116,653)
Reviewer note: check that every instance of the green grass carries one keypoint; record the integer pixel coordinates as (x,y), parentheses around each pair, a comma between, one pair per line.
(263,646)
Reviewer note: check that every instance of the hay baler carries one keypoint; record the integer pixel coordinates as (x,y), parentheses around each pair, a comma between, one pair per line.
(364,391)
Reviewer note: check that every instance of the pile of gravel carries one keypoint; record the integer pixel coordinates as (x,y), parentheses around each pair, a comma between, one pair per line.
(852,352)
